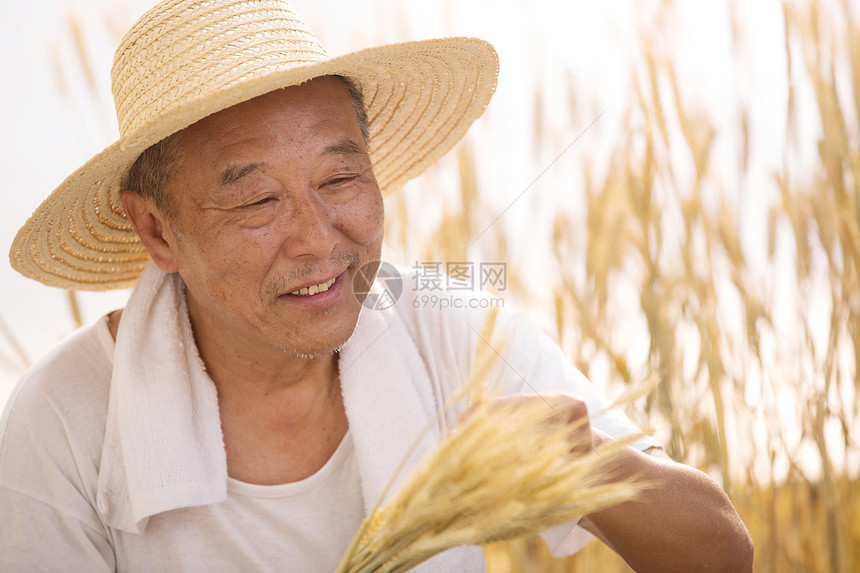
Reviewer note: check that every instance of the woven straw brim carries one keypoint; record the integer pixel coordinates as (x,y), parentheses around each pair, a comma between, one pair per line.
(420,99)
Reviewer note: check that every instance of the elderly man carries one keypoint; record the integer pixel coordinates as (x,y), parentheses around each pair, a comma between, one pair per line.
(244,412)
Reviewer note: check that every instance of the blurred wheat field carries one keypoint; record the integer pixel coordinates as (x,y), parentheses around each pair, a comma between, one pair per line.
(757,353)
(737,287)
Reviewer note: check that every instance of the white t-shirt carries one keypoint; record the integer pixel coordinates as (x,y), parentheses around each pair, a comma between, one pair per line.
(303,526)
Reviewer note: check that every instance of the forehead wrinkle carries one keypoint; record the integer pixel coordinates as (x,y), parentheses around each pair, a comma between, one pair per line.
(226,137)
(273,131)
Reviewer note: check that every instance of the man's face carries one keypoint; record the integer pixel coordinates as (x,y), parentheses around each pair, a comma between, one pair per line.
(276,199)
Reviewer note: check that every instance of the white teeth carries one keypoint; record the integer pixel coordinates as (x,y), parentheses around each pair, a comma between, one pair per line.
(314,289)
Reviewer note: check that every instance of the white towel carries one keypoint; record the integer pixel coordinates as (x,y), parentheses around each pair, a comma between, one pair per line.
(163,440)
(386,393)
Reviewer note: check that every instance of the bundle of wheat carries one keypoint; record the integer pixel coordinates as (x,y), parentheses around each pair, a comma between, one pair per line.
(508,470)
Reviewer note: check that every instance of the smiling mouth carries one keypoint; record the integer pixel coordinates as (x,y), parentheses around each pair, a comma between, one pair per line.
(314,289)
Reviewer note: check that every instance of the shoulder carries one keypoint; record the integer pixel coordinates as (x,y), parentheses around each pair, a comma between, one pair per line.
(445,312)
(76,371)
(442,321)
(448,324)
(55,418)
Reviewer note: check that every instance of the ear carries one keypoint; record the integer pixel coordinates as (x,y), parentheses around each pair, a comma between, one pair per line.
(151,226)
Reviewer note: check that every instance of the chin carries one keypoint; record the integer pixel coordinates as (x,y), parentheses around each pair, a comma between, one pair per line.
(319,350)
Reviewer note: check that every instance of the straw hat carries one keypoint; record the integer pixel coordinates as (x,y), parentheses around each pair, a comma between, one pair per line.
(186,59)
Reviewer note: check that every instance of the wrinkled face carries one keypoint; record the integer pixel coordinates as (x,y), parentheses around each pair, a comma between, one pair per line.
(275,200)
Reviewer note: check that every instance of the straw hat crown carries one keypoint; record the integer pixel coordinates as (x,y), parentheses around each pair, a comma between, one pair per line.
(184,50)
(187,59)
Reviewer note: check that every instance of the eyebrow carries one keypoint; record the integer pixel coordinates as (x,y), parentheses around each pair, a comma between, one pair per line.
(232,173)
(345,146)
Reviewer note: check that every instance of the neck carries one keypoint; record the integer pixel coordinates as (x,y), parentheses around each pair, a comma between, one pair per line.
(282,415)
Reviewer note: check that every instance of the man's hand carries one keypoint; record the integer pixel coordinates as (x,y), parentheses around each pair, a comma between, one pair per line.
(685,522)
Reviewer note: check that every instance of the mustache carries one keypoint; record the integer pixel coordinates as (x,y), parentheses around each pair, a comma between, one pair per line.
(279,282)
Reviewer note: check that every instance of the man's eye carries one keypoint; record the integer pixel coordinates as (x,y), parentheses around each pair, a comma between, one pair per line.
(262,201)
(342,179)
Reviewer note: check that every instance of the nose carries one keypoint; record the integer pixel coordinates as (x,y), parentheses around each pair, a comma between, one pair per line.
(310,226)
